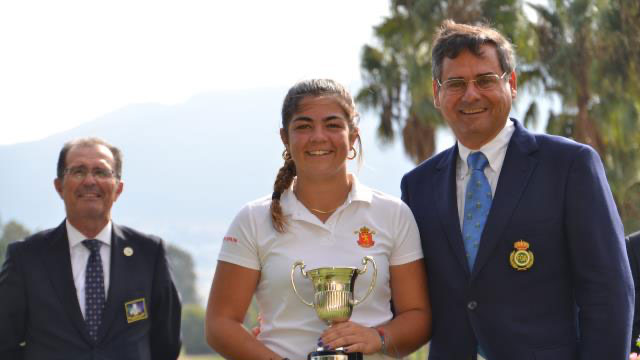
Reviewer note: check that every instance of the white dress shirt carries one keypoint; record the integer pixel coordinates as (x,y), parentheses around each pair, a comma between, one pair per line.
(495,151)
(80,256)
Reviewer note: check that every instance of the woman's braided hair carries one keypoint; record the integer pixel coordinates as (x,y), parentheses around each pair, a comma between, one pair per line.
(306,88)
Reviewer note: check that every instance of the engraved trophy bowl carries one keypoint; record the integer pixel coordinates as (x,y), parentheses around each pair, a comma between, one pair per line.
(333,298)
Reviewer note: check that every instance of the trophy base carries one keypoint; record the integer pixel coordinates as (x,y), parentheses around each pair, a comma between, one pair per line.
(334,355)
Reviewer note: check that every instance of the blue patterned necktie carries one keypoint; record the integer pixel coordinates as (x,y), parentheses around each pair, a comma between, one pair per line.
(476,205)
(93,288)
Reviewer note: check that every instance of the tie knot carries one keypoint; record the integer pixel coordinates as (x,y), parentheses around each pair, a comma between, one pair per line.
(92,244)
(477,161)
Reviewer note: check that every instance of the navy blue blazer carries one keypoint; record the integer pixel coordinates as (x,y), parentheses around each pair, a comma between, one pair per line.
(575,302)
(39,306)
(633,250)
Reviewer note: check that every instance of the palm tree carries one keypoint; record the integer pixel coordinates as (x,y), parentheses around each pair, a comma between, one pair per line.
(397,74)
(621,72)
(588,57)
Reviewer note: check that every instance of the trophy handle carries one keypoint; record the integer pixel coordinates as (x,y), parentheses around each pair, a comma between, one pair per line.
(365,260)
(304,273)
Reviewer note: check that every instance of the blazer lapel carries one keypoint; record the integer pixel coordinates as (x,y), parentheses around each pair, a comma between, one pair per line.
(114,306)
(446,195)
(515,174)
(57,261)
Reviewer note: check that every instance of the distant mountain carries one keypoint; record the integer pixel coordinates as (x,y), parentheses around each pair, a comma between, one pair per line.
(187,168)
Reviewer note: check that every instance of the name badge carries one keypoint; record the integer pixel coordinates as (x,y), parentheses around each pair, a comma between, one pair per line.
(135,310)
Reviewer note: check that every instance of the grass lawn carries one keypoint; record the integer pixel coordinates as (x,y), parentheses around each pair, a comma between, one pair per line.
(200,357)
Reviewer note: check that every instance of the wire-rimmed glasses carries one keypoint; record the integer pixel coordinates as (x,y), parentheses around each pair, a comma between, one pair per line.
(81,172)
(483,83)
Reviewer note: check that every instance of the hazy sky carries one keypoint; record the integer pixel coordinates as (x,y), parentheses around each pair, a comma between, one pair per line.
(66,62)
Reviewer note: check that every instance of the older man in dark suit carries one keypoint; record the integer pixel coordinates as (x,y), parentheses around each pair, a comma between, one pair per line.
(521,236)
(88,289)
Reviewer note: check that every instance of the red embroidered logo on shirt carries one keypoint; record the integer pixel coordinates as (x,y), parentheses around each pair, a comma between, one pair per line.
(365,237)
(230,239)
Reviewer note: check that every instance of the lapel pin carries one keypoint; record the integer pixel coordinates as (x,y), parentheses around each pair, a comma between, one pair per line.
(135,309)
(521,258)
(128,251)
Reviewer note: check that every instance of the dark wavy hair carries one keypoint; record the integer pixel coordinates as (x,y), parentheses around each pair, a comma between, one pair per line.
(452,38)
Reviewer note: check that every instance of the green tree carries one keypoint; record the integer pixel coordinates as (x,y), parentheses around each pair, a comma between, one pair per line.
(621,70)
(193,339)
(11,231)
(588,57)
(182,269)
(397,73)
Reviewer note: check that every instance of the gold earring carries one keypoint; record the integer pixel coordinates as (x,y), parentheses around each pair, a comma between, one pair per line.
(285,155)
(355,153)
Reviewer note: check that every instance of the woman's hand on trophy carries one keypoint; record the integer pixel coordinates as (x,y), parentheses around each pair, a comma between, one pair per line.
(255,331)
(352,337)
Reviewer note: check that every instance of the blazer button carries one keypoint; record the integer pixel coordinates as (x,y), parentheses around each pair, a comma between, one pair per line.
(472,305)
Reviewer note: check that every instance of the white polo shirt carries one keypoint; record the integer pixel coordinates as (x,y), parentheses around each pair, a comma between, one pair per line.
(290,328)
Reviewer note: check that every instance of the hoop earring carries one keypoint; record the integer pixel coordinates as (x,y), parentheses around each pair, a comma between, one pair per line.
(285,155)
(355,153)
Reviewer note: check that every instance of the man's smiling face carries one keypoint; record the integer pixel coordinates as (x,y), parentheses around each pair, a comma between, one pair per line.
(89,198)
(475,116)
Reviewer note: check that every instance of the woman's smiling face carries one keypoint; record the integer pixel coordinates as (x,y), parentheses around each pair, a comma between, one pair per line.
(319,138)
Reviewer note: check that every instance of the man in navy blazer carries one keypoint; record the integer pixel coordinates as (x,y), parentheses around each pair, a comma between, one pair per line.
(547,276)
(88,289)
(633,250)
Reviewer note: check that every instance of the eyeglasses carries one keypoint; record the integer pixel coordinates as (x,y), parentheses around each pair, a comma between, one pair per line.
(81,172)
(483,83)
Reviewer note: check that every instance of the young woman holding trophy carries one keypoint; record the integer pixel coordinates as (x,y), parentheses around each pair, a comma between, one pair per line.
(321,218)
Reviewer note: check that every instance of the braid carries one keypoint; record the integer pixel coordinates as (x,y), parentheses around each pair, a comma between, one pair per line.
(283,180)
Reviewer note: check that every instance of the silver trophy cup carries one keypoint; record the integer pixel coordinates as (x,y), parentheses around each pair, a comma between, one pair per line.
(333,298)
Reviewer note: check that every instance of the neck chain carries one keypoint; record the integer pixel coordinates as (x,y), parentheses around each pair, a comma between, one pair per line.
(324,212)
(318,211)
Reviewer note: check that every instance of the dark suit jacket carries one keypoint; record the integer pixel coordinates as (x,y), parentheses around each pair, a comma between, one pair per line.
(39,305)
(633,250)
(575,302)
